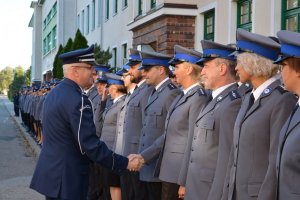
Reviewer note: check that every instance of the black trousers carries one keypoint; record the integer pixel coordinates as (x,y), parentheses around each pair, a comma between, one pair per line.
(131,186)
(153,190)
(50,198)
(169,191)
(16,109)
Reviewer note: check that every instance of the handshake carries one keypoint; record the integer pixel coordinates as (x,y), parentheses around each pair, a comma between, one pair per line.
(135,162)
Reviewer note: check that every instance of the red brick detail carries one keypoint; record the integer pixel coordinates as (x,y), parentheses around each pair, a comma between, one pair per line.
(166,31)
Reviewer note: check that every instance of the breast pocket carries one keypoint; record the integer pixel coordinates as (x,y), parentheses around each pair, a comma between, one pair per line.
(134,109)
(206,133)
(156,118)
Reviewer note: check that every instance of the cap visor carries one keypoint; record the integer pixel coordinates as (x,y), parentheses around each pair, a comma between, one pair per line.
(280,59)
(142,67)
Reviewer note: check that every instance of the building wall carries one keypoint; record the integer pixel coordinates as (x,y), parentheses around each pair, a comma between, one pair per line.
(92,34)
(36,60)
(115,31)
(160,28)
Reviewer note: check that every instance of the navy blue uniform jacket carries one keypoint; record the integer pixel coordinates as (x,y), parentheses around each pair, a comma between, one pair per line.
(70,143)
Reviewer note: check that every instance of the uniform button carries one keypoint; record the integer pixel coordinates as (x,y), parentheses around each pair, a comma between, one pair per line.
(143,134)
(236,146)
(234,164)
(191,161)
(143,145)
(195,138)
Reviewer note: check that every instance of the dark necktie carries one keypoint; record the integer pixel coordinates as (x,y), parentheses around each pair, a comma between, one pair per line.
(251,101)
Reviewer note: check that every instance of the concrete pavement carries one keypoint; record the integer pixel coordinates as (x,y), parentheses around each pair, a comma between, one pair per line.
(18,156)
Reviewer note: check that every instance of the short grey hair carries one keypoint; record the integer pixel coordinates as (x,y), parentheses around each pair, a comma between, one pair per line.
(257,65)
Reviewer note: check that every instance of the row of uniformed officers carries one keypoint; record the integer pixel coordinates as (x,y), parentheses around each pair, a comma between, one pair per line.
(226,127)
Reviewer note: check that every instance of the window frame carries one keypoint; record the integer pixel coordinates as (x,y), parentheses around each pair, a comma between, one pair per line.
(208,14)
(107,10)
(248,25)
(152,4)
(140,7)
(286,14)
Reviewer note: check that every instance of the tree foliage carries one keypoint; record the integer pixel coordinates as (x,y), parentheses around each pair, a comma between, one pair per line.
(19,79)
(57,64)
(79,41)
(102,56)
(6,76)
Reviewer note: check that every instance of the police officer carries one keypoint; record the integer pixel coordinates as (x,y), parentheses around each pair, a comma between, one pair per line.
(16,104)
(156,68)
(288,165)
(130,125)
(117,91)
(179,127)
(251,172)
(212,136)
(70,140)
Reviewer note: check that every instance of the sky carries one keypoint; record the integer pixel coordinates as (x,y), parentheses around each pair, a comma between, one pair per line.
(15,35)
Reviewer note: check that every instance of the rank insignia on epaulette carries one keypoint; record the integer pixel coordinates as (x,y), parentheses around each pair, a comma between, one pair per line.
(281,89)
(201,92)
(172,86)
(234,95)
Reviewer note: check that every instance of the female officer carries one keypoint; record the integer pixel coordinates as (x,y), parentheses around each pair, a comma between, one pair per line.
(288,162)
(117,91)
(263,112)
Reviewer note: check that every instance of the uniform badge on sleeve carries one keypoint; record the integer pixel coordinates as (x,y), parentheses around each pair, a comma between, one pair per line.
(85,107)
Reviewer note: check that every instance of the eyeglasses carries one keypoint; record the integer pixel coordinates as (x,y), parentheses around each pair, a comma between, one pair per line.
(86,67)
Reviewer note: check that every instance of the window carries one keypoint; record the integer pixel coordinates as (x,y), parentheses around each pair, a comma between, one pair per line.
(82,21)
(53,38)
(44,46)
(244,14)
(209,25)
(153,3)
(87,19)
(107,10)
(125,3)
(115,6)
(114,57)
(291,15)
(124,49)
(140,7)
(93,14)
(99,12)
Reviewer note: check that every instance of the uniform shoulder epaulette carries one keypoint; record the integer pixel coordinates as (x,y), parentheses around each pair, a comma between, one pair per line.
(234,95)
(201,92)
(281,89)
(171,86)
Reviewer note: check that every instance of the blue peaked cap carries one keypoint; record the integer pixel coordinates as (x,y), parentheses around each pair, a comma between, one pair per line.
(85,55)
(213,50)
(290,45)
(255,43)
(183,54)
(150,59)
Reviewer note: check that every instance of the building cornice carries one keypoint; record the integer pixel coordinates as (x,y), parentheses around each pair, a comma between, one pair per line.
(164,9)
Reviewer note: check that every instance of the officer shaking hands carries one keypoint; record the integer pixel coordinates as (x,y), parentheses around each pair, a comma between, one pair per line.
(70,140)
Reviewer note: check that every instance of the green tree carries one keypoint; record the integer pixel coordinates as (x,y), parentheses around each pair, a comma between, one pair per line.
(27,76)
(19,79)
(102,56)
(57,64)
(6,76)
(79,41)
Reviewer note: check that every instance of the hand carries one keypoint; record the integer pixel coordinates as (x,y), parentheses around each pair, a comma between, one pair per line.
(181,192)
(104,94)
(136,162)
